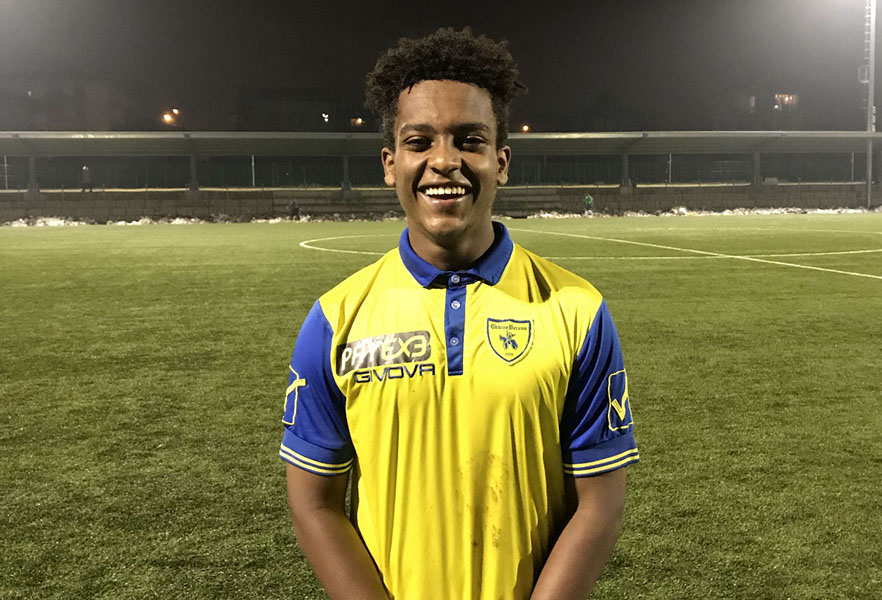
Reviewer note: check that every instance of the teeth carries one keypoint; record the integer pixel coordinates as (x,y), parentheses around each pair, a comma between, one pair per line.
(455,190)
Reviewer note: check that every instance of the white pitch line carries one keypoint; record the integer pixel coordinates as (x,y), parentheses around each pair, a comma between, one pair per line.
(631,257)
(711,257)
(306,244)
(704,253)
(835,253)
(756,229)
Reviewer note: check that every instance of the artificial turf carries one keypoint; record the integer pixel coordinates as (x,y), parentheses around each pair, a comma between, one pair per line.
(143,372)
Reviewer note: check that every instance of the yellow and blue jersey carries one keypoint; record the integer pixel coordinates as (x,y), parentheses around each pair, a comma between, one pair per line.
(460,401)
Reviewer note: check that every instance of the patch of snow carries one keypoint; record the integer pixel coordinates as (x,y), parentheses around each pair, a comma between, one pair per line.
(679,211)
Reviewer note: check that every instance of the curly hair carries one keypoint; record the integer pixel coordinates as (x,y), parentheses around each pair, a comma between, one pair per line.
(449,55)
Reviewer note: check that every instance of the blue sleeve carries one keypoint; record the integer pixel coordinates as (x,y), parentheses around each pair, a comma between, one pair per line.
(596,429)
(316,433)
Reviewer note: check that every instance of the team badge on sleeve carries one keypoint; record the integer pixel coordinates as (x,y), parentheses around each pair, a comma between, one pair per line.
(510,339)
(291,396)
(619,410)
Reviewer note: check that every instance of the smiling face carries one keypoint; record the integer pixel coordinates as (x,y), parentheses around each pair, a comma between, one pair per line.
(445,168)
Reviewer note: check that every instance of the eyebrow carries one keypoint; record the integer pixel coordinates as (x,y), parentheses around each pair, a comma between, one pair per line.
(458,128)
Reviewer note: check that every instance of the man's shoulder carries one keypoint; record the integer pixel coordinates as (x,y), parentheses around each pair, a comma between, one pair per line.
(557,280)
(359,284)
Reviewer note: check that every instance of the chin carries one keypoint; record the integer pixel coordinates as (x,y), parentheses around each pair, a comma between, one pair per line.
(445,230)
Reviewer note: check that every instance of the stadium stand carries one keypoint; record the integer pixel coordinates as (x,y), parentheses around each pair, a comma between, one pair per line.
(248,175)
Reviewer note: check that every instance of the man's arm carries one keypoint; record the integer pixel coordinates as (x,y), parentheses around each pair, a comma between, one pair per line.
(587,540)
(327,537)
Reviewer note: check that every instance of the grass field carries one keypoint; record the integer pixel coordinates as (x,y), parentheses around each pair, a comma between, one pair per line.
(143,370)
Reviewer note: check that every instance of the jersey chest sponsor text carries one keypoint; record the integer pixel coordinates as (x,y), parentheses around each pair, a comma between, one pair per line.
(384,351)
(396,372)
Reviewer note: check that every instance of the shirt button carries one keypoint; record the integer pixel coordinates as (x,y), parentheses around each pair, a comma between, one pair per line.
(454,341)
(455,305)
(454,278)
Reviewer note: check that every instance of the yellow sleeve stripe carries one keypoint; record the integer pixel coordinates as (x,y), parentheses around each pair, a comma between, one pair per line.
(602,461)
(605,467)
(311,468)
(313,465)
(315,462)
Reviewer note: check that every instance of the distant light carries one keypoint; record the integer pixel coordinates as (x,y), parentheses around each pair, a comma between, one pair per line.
(176,111)
(525,128)
(30,93)
(168,117)
(788,102)
(326,117)
(356,122)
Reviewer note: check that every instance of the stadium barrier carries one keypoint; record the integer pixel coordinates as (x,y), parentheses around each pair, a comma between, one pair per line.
(247,204)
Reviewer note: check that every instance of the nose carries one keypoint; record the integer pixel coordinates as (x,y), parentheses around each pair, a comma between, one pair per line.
(445,157)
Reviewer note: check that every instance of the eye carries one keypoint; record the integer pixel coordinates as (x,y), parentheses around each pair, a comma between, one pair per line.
(416,143)
(473,142)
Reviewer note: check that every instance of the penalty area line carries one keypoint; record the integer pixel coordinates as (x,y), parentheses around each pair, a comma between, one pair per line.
(705,253)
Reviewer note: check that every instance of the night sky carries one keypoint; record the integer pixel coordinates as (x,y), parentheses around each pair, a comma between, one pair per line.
(665,60)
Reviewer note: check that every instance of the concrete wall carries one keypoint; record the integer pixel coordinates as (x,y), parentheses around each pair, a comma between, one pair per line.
(720,198)
(246,204)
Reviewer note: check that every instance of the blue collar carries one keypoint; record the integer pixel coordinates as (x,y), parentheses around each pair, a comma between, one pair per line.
(488,267)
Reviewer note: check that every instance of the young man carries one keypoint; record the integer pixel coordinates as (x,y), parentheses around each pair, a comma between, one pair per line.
(474,392)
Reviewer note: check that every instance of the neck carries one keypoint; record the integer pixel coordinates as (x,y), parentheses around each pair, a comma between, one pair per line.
(454,254)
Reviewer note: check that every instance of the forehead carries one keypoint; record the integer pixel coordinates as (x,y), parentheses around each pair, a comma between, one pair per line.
(442,104)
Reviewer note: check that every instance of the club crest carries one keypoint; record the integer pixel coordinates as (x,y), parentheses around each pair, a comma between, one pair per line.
(509,338)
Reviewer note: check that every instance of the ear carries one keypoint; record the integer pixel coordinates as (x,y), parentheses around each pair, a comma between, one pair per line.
(388,157)
(503,158)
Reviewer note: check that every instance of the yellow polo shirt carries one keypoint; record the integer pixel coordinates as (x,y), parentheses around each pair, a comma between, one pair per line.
(459,401)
